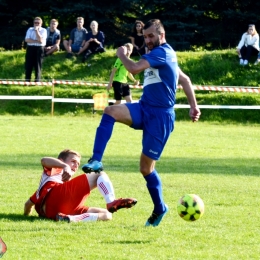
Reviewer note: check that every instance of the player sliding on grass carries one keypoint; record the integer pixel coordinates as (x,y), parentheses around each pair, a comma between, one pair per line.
(61,198)
(154,114)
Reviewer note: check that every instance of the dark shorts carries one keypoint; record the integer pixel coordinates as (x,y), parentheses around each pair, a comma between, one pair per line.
(75,47)
(157,125)
(120,90)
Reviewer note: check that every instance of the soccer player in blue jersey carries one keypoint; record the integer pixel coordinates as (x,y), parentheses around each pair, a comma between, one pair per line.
(154,113)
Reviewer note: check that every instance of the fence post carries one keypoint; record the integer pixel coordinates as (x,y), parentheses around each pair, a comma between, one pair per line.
(52,94)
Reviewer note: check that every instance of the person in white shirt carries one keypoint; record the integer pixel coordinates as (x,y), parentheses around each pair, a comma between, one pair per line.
(248,45)
(36,40)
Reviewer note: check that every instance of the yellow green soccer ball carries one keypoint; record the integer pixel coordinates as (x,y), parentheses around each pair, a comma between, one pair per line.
(190,207)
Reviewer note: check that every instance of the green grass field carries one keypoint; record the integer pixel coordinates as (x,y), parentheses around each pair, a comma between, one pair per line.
(219,162)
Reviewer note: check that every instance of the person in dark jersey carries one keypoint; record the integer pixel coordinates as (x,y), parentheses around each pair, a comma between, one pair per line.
(53,38)
(137,39)
(95,40)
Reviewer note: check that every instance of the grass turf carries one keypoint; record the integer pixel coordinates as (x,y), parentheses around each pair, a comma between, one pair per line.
(219,162)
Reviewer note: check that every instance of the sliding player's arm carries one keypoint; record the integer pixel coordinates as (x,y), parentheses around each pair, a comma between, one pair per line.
(28,207)
(57,166)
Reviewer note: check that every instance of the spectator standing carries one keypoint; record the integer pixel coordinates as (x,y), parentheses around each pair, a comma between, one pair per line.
(36,40)
(248,45)
(118,79)
(137,38)
(53,38)
(95,40)
(77,39)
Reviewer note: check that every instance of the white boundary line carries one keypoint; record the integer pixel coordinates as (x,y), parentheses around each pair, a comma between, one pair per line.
(26,97)
(91,101)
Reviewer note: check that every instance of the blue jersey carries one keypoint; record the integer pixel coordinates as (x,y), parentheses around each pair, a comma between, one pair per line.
(160,80)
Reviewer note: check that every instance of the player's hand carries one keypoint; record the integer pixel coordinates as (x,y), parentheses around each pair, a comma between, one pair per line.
(137,82)
(67,173)
(121,51)
(195,114)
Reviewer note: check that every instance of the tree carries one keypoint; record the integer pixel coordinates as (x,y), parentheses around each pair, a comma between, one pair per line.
(188,23)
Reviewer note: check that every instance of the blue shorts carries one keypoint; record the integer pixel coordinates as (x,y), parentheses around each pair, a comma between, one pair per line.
(75,47)
(157,125)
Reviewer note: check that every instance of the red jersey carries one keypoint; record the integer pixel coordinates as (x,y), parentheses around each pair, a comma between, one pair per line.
(50,177)
(67,197)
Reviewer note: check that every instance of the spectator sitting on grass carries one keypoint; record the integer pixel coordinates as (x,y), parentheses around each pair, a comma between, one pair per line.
(53,38)
(77,39)
(94,41)
(248,45)
(258,59)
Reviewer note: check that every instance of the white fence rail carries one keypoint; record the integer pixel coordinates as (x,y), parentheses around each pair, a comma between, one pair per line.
(91,101)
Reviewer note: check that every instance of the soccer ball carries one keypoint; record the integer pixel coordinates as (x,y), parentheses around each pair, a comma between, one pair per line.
(190,207)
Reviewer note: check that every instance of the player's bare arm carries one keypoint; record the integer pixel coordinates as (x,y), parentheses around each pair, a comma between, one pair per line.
(131,66)
(28,40)
(51,162)
(111,78)
(28,207)
(185,81)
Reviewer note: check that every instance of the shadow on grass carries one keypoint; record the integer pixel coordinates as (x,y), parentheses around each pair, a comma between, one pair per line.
(126,242)
(166,165)
(226,166)
(179,165)
(20,217)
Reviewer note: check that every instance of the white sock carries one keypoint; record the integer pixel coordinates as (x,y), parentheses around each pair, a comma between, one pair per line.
(105,187)
(85,217)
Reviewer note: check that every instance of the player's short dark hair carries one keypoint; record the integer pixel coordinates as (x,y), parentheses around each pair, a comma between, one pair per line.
(157,23)
(66,152)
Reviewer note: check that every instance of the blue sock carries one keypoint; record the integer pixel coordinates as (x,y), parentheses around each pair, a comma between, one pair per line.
(103,134)
(154,186)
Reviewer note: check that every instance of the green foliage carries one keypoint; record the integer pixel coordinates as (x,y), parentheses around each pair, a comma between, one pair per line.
(188,23)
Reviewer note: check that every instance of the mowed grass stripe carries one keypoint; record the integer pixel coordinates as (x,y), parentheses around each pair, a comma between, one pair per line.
(219,162)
